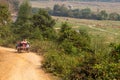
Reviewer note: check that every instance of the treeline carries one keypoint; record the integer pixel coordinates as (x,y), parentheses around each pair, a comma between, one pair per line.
(69,54)
(82,0)
(87,13)
(103,0)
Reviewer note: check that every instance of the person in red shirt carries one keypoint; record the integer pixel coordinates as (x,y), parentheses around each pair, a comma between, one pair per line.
(24,43)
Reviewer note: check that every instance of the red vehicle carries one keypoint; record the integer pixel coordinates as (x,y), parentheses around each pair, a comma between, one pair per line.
(22,47)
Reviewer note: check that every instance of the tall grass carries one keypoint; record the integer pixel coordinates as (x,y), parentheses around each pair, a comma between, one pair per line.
(42,47)
(59,64)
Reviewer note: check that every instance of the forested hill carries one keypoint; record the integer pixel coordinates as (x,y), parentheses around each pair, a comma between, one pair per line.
(82,0)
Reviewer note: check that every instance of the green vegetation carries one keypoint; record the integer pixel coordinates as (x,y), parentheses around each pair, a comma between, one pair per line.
(81,0)
(43,22)
(72,41)
(22,27)
(4,14)
(81,53)
(6,36)
(109,7)
(14,4)
(62,10)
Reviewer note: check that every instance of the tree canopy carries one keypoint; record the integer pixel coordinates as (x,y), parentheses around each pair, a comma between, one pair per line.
(4,14)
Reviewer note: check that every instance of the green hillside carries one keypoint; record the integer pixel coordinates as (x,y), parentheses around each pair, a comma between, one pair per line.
(73,49)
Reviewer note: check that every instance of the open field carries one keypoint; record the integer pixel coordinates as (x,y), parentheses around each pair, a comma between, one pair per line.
(109,27)
(108,30)
(95,6)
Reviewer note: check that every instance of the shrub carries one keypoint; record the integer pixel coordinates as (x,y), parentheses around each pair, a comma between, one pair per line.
(115,53)
(72,41)
(42,47)
(6,36)
(59,63)
(107,71)
(44,23)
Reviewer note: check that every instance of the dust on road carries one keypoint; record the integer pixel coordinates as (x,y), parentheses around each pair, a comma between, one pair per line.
(23,66)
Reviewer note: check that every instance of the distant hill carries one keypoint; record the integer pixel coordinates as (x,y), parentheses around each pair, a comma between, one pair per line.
(81,0)
(102,0)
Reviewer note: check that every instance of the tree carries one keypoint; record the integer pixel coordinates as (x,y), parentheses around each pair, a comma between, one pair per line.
(115,53)
(4,14)
(114,16)
(65,27)
(102,15)
(76,13)
(44,23)
(56,10)
(73,41)
(67,39)
(5,34)
(60,10)
(24,11)
(63,10)
(5,29)
(23,24)
(86,13)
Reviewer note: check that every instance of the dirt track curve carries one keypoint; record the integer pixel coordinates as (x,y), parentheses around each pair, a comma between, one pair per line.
(23,66)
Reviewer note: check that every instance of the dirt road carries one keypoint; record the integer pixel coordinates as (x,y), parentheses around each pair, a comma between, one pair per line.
(23,66)
(99,29)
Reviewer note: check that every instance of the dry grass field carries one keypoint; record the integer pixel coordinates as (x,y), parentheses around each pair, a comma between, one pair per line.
(104,29)
(95,6)
(101,29)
